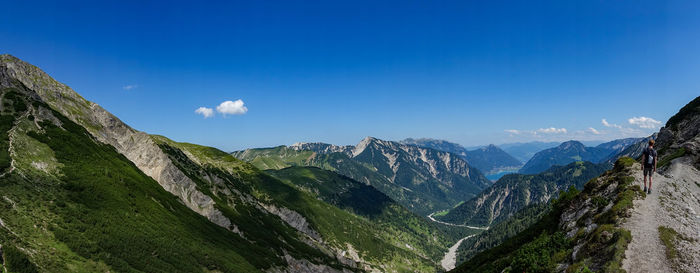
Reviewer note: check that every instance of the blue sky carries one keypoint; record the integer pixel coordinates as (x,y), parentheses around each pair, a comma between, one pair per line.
(473,72)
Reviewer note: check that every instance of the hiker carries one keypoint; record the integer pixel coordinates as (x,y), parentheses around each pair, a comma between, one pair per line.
(649,164)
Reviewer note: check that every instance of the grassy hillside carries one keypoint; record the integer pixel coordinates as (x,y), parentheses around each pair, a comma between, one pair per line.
(79,206)
(98,212)
(415,247)
(71,203)
(587,221)
(397,222)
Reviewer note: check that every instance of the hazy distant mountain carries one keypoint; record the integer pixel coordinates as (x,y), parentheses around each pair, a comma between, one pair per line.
(571,151)
(492,159)
(618,145)
(422,179)
(563,154)
(488,159)
(631,149)
(525,151)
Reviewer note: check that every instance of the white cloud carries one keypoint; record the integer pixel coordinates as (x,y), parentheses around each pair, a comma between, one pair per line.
(606,124)
(512,131)
(593,130)
(204,111)
(130,87)
(552,130)
(228,107)
(644,122)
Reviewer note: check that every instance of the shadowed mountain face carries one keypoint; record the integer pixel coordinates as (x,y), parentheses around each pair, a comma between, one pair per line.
(80,191)
(489,159)
(514,192)
(492,159)
(421,179)
(338,190)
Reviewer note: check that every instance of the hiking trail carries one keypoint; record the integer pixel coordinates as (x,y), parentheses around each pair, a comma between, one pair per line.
(674,203)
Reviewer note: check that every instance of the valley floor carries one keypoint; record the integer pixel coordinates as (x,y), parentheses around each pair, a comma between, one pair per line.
(449,262)
(674,203)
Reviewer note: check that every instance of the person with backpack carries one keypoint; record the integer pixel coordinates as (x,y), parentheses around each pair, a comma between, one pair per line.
(649,164)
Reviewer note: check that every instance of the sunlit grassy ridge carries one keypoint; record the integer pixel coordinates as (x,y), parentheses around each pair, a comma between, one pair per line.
(102,212)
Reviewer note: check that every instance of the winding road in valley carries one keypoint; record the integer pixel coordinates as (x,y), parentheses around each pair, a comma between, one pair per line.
(449,261)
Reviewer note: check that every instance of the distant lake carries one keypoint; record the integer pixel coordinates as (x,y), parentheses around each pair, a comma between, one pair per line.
(496,176)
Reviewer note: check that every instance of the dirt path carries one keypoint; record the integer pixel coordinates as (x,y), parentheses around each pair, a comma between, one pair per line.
(674,201)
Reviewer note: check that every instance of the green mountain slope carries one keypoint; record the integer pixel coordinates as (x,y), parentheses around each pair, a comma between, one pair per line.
(582,231)
(586,231)
(335,231)
(395,221)
(80,206)
(514,192)
(338,190)
(422,180)
(81,191)
(501,231)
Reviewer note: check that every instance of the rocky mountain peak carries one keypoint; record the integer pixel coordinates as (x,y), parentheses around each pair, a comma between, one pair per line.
(360,147)
(320,147)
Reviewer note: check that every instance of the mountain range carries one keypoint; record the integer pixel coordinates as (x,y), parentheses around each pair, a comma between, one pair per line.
(513,192)
(81,191)
(489,159)
(423,180)
(524,151)
(571,151)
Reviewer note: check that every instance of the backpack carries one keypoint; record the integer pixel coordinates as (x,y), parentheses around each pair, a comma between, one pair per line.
(650,156)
